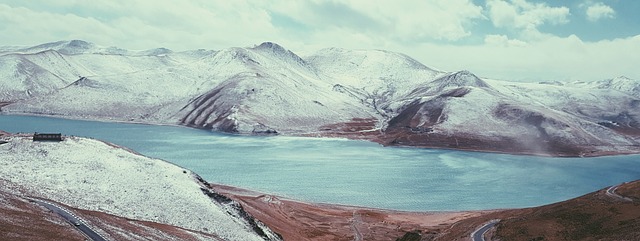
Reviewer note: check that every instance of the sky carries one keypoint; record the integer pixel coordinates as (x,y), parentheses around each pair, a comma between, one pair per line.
(520,40)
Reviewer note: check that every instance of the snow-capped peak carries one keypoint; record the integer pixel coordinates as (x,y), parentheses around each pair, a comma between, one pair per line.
(280,52)
(621,83)
(71,47)
(459,79)
(155,52)
(623,78)
(77,47)
(276,48)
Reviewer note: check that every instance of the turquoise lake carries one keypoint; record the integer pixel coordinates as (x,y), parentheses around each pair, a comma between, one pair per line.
(356,172)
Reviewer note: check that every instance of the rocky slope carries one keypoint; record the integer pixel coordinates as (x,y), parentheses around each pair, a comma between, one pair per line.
(113,183)
(371,94)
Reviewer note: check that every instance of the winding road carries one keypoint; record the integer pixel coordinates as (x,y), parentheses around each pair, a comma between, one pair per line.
(71,218)
(354,225)
(478,235)
(611,191)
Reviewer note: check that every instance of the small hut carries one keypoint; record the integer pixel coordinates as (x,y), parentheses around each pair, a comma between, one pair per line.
(47,136)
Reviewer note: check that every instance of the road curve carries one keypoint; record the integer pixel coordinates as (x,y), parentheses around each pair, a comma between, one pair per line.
(478,235)
(75,221)
(611,191)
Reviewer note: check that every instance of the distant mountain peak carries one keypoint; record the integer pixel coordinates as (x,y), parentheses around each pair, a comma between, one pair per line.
(272,46)
(459,79)
(463,72)
(76,43)
(63,43)
(156,52)
(620,83)
(68,47)
(623,78)
(76,47)
(279,51)
(620,80)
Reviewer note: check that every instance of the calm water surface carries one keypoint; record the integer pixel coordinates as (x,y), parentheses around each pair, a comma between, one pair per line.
(356,172)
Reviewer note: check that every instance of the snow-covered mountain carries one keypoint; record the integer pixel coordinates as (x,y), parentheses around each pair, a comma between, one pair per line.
(379,95)
(97,176)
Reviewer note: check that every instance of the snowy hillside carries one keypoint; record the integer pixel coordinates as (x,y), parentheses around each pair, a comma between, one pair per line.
(387,97)
(267,88)
(93,175)
(518,117)
(621,83)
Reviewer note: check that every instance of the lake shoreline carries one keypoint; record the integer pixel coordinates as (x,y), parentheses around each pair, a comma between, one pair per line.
(369,136)
(361,173)
(304,220)
(298,220)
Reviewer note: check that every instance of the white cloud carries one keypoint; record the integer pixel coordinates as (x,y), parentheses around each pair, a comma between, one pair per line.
(411,20)
(554,58)
(410,28)
(418,19)
(140,24)
(26,27)
(599,11)
(221,23)
(502,40)
(524,16)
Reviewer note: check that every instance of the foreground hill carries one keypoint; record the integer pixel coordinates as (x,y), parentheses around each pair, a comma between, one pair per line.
(124,195)
(296,220)
(377,95)
(594,216)
(23,219)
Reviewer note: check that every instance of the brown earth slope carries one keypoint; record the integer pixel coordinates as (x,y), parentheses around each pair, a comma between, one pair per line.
(23,220)
(594,216)
(296,220)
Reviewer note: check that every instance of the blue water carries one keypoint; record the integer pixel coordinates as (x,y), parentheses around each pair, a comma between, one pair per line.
(356,172)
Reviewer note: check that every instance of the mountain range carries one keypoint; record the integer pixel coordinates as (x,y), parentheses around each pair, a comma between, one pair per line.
(375,95)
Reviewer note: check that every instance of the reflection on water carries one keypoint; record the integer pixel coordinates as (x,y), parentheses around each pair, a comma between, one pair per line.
(356,172)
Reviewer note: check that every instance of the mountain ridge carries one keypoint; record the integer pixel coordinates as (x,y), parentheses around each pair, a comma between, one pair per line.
(391,98)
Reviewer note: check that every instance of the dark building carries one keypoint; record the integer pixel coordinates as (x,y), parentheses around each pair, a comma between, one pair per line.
(47,136)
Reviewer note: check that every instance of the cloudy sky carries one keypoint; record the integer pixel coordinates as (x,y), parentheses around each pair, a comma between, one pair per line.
(524,40)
